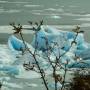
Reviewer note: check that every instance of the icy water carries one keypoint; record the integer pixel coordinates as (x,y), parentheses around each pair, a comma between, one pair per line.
(54,12)
(28,80)
(62,14)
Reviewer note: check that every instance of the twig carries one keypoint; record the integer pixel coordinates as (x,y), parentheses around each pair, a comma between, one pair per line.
(18,30)
(64,77)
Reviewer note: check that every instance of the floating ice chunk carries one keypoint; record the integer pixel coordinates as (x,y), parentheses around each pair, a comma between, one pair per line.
(12,70)
(12,85)
(4,78)
(33,5)
(51,34)
(5,55)
(70,35)
(82,64)
(52,85)
(28,75)
(83,19)
(3,1)
(32,85)
(31,74)
(82,46)
(55,16)
(57,36)
(79,39)
(85,54)
(66,59)
(15,44)
(63,39)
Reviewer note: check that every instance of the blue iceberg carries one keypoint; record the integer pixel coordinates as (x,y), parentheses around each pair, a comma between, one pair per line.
(15,43)
(62,38)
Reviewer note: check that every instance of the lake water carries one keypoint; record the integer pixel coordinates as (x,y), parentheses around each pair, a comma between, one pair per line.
(54,12)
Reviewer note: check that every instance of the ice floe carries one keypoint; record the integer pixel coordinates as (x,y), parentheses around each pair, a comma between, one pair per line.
(14,66)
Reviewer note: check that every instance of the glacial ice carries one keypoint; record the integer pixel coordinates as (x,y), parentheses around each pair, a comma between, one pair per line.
(64,39)
(11,65)
(15,44)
